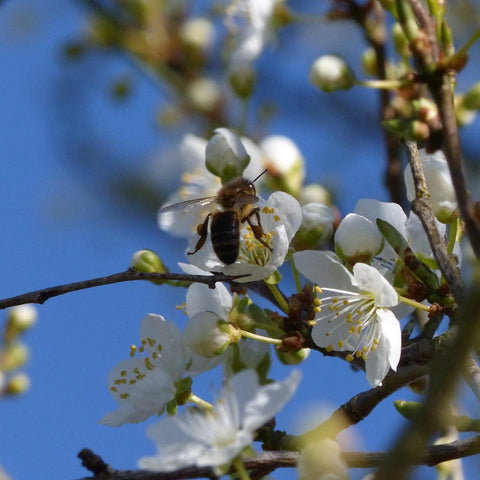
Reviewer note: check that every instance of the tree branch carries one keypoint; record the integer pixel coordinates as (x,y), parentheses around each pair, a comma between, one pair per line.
(421,206)
(272,460)
(41,296)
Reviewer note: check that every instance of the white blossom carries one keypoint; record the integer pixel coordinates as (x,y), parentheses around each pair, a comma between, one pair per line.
(280,217)
(214,438)
(354,312)
(143,385)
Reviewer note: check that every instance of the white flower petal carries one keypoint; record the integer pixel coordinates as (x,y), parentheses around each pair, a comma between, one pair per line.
(324,269)
(370,280)
(202,298)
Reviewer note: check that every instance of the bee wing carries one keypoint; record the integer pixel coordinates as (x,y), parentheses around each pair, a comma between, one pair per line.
(189,204)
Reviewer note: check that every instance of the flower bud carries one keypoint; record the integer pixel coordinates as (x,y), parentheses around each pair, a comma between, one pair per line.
(357,239)
(321,460)
(316,228)
(285,164)
(293,358)
(330,73)
(204,94)
(208,335)
(17,384)
(315,193)
(439,184)
(471,99)
(242,80)
(226,156)
(426,110)
(407,409)
(400,40)
(147,261)
(369,62)
(197,33)
(417,131)
(19,319)
(13,356)
(463,115)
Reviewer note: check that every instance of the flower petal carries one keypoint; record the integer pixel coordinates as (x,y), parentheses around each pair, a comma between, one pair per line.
(370,280)
(201,298)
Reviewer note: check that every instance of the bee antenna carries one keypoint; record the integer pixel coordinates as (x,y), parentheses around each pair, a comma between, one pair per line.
(258,176)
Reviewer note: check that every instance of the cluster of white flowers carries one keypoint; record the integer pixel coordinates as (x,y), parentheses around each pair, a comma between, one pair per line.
(360,293)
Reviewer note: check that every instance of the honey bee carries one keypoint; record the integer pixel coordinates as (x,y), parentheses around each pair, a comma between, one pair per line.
(236,199)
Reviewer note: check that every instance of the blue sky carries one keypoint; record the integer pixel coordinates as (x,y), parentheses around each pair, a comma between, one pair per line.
(61,224)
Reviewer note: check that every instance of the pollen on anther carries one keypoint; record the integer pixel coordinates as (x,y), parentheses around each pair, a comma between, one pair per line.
(148,364)
(341,343)
(113,389)
(317,309)
(352,329)
(276,218)
(133,349)
(318,289)
(123,373)
(317,301)
(124,395)
(329,348)
(349,358)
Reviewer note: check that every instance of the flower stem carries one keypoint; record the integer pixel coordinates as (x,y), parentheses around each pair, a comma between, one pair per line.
(278,297)
(260,338)
(267,327)
(201,403)
(414,303)
(452,236)
(296,276)
(241,470)
(381,84)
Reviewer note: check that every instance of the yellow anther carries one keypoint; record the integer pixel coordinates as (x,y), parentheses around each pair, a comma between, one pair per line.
(133,349)
(123,373)
(144,342)
(329,348)
(182,306)
(318,289)
(159,347)
(349,317)
(311,323)
(148,364)
(124,395)
(132,381)
(352,329)
(327,334)
(365,348)
(334,300)
(154,355)
(317,309)
(364,356)
(349,358)
(341,343)
(276,218)
(317,301)
(118,381)
(113,389)
(376,341)
(359,329)
(141,349)
(151,341)
(373,348)
(345,302)
(136,371)
(358,353)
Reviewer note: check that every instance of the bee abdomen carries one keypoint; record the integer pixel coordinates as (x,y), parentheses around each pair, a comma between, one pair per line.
(225,233)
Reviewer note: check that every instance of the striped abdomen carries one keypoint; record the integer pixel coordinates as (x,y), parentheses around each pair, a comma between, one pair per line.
(225,234)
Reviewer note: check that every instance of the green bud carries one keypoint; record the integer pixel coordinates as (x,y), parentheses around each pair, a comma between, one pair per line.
(408,409)
(17,384)
(243,81)
(293,358)
(446,39)
(471,99)
(393,237)
(417,131)
(425,109)
(13,356)
(147,261)
(369,62)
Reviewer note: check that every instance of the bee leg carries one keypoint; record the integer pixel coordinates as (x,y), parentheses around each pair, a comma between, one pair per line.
(257,229)
(202,230)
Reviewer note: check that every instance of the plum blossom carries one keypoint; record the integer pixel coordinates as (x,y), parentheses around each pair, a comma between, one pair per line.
(353,312)
(214,438)
(280,217)
(144,385)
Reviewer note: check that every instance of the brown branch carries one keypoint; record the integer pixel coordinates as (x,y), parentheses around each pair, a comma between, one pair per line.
(421,206)
(471,374)
(361,405)
(41,296)
(432,455)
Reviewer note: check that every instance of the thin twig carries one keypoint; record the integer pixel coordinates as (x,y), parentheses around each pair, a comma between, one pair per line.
(41,296)
(432,455)
(472,375)
(421,206)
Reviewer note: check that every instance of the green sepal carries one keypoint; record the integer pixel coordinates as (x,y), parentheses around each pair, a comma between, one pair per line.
(274,278)
(240,303)
(184,390)
(172,407)
(263,367)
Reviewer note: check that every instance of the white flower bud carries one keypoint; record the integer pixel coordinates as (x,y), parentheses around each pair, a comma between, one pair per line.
(322,461)
(14,356)
(208,335)
(284,162)
(21,318)
(204,94)
(357,239)
(197,33)
(316,228)
(226,156)
(330,73)
(315,193)
(439,184)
